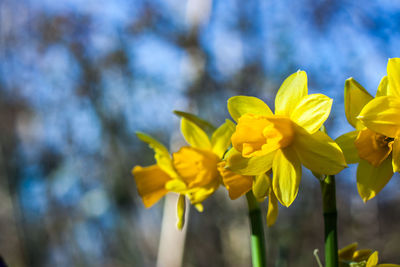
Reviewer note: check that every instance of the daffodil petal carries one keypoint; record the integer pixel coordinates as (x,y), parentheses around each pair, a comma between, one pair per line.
(396,155)
(194,135)
(199,207)
(286,168)
(221,138)
(292,90)
(371,180)
(272,213)
(203,124)
(261,186)
(387,265)
(383,87)
(312,112)
(240,105)
(362,254)
(161,154)
(355,98)
(150,183)
(346,144)
(180,212)
(176,185)
(318,152)
(236,184)
(153,143)
(393,70)
(372,260)
(382,115)
(198,195)
(346,253)
(249,166)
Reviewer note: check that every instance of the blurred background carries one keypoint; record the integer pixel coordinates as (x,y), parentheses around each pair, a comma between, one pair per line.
(78,78)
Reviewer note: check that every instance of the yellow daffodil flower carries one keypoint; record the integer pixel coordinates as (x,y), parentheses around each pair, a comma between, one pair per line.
(381,115)
(197,164)
(350,256)
(371,149)
(191,172)
(285,140)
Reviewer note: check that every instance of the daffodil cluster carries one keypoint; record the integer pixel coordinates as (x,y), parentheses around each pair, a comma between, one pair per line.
(267,151)
(263,153)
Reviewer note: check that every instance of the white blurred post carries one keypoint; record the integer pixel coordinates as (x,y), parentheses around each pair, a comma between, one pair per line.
(172,240)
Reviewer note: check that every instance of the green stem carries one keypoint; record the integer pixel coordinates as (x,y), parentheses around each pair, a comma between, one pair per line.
(257,232)
(330,216)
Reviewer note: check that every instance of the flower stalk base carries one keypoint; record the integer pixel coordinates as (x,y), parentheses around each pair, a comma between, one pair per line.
(258,254)
(328,189)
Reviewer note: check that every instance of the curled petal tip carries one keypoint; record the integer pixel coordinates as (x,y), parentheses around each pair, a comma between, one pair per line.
(286,205)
